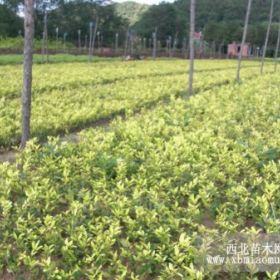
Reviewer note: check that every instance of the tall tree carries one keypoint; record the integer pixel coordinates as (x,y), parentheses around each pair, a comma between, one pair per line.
(243,39)
(267,34)
(27,70)
(192,30)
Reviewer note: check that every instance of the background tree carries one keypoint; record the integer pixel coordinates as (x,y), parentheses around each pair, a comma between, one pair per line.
(220,21)
(164,17)
(74,16)
(10,23)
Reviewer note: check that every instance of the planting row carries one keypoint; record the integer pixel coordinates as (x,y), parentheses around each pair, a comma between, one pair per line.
(71,96)
(128,203)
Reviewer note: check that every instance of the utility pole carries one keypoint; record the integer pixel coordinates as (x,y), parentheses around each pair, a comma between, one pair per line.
(243,39)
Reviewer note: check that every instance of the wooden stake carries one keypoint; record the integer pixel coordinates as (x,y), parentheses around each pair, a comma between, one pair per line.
(267,34)
(192,30)
(243,39)
(27,70)
(277,49)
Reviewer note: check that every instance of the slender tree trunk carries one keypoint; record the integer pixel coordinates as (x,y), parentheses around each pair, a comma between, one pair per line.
(79,41)
(90,40)
(126,43)
(277,49)
(192,30)
(131,37)
(155,44)
(267,34)
(175,44)
(56,31)
(27,70)
(116,43)
(98,41)
(94,37)
(43,47)
(169,46)
(243,39)
(85,47)
(45,37)
(184,49)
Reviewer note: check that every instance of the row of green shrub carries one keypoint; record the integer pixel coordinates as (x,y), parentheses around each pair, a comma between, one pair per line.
(128,202)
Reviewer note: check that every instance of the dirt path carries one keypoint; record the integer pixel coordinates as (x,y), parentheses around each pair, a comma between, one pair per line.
(9,156)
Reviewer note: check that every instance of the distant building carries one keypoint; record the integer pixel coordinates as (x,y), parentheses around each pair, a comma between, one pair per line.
(235,48)
(198,36)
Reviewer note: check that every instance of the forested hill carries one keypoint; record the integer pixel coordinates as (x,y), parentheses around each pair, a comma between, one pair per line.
(131,11)
(221,21)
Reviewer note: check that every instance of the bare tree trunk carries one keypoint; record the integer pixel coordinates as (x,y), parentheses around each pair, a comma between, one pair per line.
(43,47)
(132,43)
(184,49)
(169,46)
(45,38)
(64,41)
(243,39)
(98,41)
(175,44)
(94,37)
(79,40)
(155,44)
(27,70)
(192,30)
(90,40)
(277,49)
(126,43)
(85,47)
(116,43)
(267,34)
(56,31)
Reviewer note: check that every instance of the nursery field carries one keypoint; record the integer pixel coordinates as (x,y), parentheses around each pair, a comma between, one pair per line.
(71,96)
(129,200)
